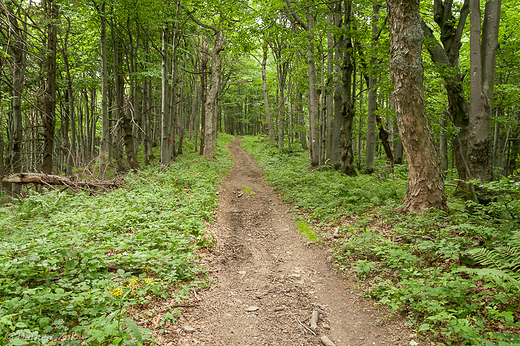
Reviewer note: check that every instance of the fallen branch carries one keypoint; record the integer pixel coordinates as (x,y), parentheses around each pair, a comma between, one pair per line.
(413,236)
(51,180)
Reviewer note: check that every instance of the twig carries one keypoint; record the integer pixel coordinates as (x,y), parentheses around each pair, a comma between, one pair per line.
(303,325)
(414,236)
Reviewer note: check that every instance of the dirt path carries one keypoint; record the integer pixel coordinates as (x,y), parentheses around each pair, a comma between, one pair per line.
(268,282)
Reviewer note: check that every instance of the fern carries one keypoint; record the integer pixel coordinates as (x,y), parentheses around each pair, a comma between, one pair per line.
(503,263)
(501,277)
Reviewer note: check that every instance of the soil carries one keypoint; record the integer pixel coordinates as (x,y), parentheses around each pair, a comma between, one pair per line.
(267,281)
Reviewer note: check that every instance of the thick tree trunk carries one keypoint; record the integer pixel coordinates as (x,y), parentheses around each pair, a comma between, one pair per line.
(448,56)
(483,50)
(425,177)
(49,97)
(211,101)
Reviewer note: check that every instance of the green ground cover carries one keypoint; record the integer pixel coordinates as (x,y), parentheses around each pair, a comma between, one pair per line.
(454,276)
(56,248)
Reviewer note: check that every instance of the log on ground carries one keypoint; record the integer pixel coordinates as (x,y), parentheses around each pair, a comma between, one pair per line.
(49,179)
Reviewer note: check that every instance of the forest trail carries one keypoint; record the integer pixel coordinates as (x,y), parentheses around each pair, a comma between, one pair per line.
(267,282)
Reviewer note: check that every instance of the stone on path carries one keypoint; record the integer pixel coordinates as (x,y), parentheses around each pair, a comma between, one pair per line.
(326,341)
(188,329)
(314,320)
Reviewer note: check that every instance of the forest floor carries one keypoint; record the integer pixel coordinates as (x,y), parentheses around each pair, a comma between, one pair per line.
(267,281)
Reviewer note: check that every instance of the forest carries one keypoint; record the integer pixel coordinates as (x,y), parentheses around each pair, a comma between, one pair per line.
(392,128)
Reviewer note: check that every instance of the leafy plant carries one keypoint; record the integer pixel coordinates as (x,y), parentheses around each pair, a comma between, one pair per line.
(57,249)
(453,274)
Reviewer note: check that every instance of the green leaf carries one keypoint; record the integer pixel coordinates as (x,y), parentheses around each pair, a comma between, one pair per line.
(130,323)
(424,327)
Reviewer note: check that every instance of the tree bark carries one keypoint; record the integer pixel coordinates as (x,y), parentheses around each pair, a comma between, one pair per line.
(18,50)
(483,50)
(347,109)
(204,89)
(372,98)
(210,142)
(49,97)
(270,127)
(104,95)
(165,116)
(425,177)
(313,96)
(329,89)
(448,57)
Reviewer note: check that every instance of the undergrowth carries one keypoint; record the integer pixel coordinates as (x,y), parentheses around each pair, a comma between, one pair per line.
(454,276)
(56,249)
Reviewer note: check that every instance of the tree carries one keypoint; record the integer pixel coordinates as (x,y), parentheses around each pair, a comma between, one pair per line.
(372,98)
(483,53)
(447,57)
(425,177)
(49,96)
(263,63)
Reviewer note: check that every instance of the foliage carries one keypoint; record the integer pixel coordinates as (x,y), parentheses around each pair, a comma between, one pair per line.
(56,249)
(327,193)
(454,275)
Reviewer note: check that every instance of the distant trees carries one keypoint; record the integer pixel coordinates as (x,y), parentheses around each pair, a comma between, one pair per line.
(92,85)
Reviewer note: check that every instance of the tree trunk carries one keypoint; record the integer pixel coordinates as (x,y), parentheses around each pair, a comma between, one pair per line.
(301,120)
(372,98)
(313,96)
(347,109)
(165,116)
(194,108)
(360,124)
(18,50)
(104,95)
(448,57)
(204,89)
(49,97)
(483,50)
(211,100)
(338,90)
(443,144)
(266,96)
(425,177)
(329,90)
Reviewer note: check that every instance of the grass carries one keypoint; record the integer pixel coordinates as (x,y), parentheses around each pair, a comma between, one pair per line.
(56,249)
(304,228)
(452,276)
(248,191)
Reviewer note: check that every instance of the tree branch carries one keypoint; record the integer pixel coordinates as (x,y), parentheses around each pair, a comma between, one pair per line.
(199,23)
(296,18)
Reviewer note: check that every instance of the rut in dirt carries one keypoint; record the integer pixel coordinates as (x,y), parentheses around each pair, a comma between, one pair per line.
(268,281)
